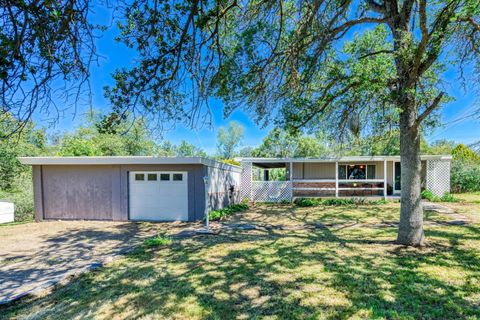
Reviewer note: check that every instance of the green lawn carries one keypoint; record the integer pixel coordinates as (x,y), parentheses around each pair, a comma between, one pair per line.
(301,263)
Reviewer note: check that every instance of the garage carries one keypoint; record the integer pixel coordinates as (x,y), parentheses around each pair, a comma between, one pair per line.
(158,195)
(135,188)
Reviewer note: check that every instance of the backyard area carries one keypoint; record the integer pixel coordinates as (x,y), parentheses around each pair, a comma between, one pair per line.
(286,262)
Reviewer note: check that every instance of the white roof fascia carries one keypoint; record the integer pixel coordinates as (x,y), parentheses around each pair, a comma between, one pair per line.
(124,160)
(341,159)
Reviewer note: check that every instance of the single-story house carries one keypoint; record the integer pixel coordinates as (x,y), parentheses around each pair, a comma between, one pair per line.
(131,188)
(283,179)
(175,188)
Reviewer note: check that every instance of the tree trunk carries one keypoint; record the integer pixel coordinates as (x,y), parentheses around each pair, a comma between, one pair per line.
(410,230)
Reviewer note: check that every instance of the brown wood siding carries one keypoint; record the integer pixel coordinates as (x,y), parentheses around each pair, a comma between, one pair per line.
(314,184)
(314,193)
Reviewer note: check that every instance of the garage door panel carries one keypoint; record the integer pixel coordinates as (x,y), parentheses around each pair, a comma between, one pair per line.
(158,200)
(83,193)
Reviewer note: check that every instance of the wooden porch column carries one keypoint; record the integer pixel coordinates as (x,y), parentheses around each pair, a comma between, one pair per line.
(336,179)
(385,179)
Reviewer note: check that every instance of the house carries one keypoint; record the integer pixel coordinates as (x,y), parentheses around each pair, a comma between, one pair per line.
(283,179)
(131,188)
(174,188)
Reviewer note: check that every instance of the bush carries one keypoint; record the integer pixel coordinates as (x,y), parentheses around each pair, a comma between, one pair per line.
(465,176)
(428,195)
(227,211)
(447,197)
(313,202)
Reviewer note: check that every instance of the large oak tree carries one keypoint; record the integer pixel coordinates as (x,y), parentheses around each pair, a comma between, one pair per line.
(289,61)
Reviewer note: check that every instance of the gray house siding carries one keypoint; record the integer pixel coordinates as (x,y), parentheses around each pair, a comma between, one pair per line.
(100,192)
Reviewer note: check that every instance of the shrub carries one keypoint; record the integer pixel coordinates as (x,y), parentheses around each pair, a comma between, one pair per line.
(227,211)
(428,195)
(447,197)
(313,202)
(158,241)
(465,176)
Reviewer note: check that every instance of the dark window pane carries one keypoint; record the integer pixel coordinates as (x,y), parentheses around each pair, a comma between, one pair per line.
(177,177)
(356,172)
(139,177)
(398,175)
(152,177)
(342,172)
(165,177)
(371,174)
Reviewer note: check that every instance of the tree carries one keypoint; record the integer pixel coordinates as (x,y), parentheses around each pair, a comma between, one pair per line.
(30,142)
(289,57)
(127,137)
(281,144)
(46,48)
(186,149)
(229,139)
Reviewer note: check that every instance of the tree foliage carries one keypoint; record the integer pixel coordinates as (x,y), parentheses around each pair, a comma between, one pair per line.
(46,48)
(229,139)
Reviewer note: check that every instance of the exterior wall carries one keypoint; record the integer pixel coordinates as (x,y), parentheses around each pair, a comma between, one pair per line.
(312,170)
(390,173)
(100,192)
(223,188)
(86,192)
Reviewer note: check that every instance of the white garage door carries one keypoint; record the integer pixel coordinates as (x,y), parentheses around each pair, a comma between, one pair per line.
(158,196)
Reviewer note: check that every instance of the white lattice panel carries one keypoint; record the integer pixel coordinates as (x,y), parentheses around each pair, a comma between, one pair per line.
(438,176)
(271,191)
(246,181)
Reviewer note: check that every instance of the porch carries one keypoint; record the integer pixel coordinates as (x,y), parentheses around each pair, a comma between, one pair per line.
(275,180)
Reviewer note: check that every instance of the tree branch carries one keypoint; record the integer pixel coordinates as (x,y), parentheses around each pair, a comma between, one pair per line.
(430,108)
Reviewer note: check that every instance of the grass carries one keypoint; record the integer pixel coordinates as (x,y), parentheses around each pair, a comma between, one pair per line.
(157,241)
(324,262)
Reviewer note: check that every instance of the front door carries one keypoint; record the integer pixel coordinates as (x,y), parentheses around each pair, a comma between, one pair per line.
(397,173)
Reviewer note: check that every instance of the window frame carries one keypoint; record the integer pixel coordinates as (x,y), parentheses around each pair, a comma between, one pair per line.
(346,165)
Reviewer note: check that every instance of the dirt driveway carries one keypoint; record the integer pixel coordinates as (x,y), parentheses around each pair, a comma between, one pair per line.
(34,256)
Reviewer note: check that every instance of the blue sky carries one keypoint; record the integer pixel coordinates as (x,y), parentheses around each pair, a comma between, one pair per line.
(117,55)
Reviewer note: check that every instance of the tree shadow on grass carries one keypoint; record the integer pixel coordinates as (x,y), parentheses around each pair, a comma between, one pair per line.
(290,274)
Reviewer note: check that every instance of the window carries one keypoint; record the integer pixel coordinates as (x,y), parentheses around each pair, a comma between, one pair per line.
(139,177)
(356,171)
(371,171)
(164,177)
(177,177)
(342,172)
(152,177)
